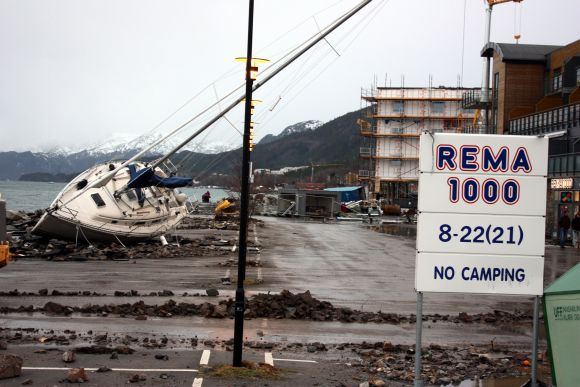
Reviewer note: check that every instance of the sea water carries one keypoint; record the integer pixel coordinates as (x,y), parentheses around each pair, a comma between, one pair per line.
(31,196)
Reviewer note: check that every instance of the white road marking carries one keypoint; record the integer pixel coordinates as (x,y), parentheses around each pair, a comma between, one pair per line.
(234,248)
(268,359)
(297,360)
(197,382)
(205,357)
(256,236)
(114,369)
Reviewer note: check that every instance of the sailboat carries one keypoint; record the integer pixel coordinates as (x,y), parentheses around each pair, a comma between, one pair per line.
(132,201)
(115,212)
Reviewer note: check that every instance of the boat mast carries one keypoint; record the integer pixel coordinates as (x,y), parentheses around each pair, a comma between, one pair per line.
(257,85)
(101,181)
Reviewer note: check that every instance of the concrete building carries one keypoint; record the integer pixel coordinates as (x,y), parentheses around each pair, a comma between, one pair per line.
(392,122)
(535,91)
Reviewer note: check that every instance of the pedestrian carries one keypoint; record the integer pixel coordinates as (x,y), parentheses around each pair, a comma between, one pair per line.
(576,230)
(205,197)
(563,227)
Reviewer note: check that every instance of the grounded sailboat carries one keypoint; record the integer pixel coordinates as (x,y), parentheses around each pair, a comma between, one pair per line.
(131,201)
(114,212)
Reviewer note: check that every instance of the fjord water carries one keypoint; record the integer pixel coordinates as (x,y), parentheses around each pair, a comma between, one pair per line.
(31,196)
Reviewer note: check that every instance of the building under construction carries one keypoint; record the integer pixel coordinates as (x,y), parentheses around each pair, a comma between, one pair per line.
(393,118)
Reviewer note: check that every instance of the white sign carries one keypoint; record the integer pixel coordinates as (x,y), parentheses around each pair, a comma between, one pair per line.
(482,205)
(480,234)
(484,154)
(474,273)
(564,183)
(482,194)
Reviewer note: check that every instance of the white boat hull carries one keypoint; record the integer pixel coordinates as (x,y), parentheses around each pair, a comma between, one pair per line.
(103,215)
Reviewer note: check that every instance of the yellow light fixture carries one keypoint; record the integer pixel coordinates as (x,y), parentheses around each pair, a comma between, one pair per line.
(253,65)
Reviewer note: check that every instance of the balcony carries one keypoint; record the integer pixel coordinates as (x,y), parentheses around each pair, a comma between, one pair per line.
(473,129)
(366,153)
(549,121)
(567,164)
(364,174)
(472,99)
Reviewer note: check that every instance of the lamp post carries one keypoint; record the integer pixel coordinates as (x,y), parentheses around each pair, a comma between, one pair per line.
(240,306)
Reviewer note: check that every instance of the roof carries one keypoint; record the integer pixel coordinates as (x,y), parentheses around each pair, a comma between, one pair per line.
(518,52)
(343,189)
(568,283)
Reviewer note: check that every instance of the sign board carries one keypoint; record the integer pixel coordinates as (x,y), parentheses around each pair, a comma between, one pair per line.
(563,183)
(566,197)
(482,194)
(496,234)
(482,206)
(479,273)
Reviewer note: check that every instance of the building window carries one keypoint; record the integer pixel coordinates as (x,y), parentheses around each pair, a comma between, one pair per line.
(398,107)
(438,107)
(98,200)
(494,100)
(577,75)
(557,80)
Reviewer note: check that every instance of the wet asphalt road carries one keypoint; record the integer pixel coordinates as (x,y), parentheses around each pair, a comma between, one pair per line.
(349,265)
(345,263)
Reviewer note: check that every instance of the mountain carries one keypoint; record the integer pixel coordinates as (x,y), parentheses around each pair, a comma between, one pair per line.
(53,163)
(296,128)
(337,141)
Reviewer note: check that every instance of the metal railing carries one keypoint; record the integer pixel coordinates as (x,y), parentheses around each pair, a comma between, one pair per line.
(564,165)
(366,174)
(472,99)
(561,118)
(366,152)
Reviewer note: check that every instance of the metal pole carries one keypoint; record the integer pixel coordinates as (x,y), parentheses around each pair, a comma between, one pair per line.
(418,330)
(244,203)
(486,75)
(535,342)
(271,75)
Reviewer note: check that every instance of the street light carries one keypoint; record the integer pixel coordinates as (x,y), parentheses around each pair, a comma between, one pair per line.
(253,65)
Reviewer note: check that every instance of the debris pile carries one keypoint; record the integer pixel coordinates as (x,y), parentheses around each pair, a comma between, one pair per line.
(441,365)
(300,306)
(26,245)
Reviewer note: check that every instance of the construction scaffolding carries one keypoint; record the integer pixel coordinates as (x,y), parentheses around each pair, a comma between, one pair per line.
(392,120)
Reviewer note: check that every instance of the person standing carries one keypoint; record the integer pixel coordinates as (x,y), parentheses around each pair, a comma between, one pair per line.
(563,227)
(576,230)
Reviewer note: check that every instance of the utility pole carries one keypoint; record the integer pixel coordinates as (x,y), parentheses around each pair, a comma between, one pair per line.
(240,305)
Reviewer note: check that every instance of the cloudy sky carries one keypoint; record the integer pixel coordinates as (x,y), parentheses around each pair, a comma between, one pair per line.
(75,73)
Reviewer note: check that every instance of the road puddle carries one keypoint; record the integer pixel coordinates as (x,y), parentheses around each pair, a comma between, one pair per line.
(506,382)
(397,229)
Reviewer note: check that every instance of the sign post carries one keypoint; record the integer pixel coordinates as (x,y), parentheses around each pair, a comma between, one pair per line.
(481,222)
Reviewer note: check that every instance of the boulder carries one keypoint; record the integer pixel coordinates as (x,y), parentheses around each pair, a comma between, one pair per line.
(212,292)
(68,356)
(10,366)
(77,375)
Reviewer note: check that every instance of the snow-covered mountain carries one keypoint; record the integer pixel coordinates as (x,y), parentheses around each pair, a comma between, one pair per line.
(292,129)
(300,127)
(126,144)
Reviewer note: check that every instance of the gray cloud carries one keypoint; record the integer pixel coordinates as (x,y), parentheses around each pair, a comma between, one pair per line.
(76,72)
